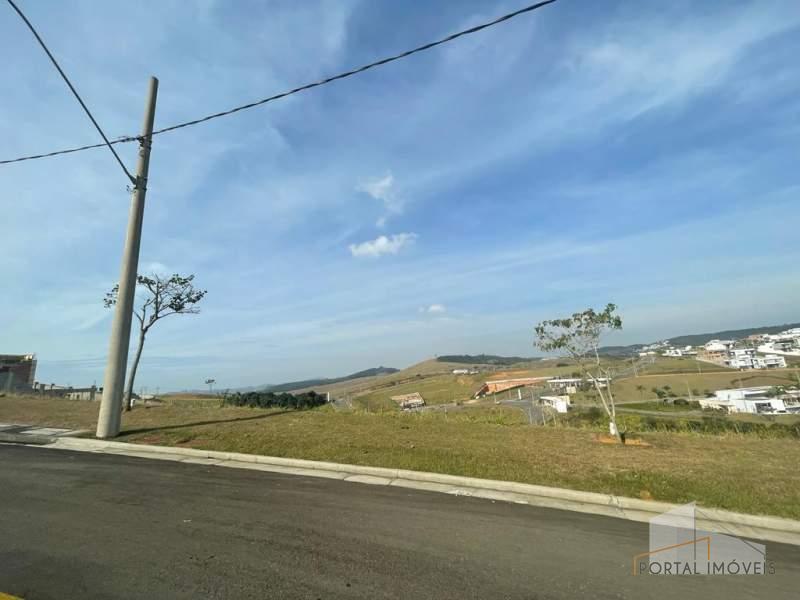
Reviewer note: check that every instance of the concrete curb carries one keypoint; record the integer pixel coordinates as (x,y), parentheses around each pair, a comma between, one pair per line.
(25,438)
(774,529)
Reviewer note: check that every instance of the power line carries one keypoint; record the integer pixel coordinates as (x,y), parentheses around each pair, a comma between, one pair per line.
(296,90)
(72,88)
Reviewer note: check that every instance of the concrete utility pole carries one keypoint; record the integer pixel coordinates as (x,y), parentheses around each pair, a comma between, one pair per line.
(108,422)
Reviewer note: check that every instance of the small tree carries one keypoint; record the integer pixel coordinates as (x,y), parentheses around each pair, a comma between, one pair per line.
(164,296)
(579,336)
(640,389)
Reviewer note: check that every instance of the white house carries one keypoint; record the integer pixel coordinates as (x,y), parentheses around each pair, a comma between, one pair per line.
(785,342)
(570,385)
(740,358)
(460,371)
(559,403)
(770,361)
(745,400)
(718,345)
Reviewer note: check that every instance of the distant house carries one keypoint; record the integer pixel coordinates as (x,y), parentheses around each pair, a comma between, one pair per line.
(745,400)
(91,394)
(570,385)
(461,371)
(746,358)
(17,371)
(740,358)
(786,342)
(561,404)
(409,401)
(772,361)
(715,351)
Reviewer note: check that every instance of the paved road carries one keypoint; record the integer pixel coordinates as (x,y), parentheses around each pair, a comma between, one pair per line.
(80,525)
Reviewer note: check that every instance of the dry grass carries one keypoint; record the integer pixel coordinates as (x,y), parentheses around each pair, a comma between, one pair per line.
(437,389)
(737,472)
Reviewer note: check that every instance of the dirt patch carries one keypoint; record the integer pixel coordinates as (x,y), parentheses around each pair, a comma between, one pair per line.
(604,438)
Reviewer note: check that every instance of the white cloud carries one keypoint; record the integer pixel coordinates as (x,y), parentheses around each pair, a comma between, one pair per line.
(379,189)
(154,268)
(384,190)
(433,308)
(382,245)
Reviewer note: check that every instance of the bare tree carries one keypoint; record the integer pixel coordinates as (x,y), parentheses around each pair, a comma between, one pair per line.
(175,295)
(579,336)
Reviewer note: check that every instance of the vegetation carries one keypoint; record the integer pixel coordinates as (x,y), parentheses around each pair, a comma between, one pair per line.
(594,419)
(272,400)
(437,389)
(730,334)
(579,336)
(483,359)
(307,383)
(681,384)
(735,471)
(678,405)
(164,296)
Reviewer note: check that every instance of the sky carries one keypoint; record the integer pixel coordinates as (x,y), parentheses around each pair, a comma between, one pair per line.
(639,153)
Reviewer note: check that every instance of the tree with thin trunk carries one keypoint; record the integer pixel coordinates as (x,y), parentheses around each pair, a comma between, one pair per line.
(163,296)
(579,336)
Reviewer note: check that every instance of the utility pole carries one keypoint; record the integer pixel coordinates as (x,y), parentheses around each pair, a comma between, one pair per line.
(108,422)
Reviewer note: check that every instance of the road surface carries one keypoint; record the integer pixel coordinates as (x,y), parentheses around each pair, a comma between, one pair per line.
(82,525)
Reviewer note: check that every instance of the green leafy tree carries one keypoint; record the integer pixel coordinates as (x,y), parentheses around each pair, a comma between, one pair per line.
(579,336)
(162,297)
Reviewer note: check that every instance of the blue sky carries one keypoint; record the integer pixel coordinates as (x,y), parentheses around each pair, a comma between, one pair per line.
(641,153)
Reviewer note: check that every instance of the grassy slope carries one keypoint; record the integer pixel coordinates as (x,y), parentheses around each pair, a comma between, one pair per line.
(742,473)
(438,385)
(367,384)
(625,389)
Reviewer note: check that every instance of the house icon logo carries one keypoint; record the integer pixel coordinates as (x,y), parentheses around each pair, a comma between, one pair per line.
(678,547)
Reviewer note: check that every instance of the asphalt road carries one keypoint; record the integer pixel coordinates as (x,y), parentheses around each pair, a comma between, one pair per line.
(81,525)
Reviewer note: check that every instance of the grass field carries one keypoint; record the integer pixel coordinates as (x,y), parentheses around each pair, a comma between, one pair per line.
(668,364)
(658,406)
(682,384)
(737,472)
(437,389)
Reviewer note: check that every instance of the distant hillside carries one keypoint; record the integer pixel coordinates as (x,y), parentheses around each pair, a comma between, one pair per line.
(620,351)
(735,334)
(309,383)
(483,359)
(698,339)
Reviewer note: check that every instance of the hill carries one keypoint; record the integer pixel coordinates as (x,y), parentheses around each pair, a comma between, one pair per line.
(698,339)
(483,359)
(702,338)
(309,383)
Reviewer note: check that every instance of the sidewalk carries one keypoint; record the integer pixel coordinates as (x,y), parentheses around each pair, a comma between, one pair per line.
(15,432)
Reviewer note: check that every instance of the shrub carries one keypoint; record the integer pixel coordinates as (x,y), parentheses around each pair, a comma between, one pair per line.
(272,400)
